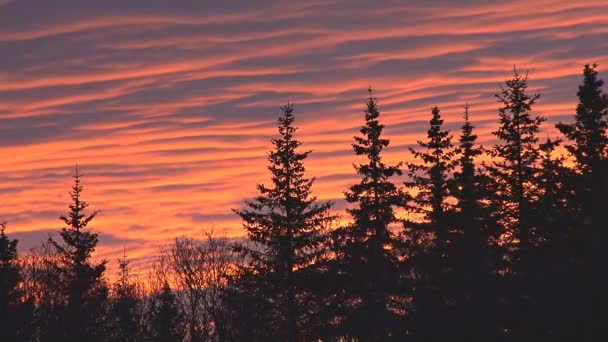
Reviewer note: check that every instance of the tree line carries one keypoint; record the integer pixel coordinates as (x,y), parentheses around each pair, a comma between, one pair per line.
(498,243)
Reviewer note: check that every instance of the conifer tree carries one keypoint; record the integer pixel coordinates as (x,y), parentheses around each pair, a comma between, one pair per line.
(124,311)
(166,321)
(588,144)
(514,171)
(287,225)
(556,245)
(588,133)
(81,278)
(466,180)
(366,252)
(473,232)
(555,195)
(9,271)
(430,176)
(517,155)
(11,320)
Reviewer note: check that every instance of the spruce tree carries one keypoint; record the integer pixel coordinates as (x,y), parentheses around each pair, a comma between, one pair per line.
(287,224)
(556,246)
(473,231)
(466,179)
(514,171)
(124,311)
(166,321)
(11,308)
(430,176)
(81,279)
(588,133)
(588,144)
(368,301)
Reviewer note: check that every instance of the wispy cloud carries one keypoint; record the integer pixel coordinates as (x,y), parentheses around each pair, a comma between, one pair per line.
(168,109)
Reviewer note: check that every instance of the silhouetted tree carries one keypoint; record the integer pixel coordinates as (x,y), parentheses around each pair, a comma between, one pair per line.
(80,278)
(514,170)
(184,269)
(553,263)
(368,301)
(42,287)
(13,317)
(430,176)
(9,271)
(553,215)
(588,134)
(473,234)
(124,313)
(588,139)
(594,277)
(166,320)
(201,270)
(287,224)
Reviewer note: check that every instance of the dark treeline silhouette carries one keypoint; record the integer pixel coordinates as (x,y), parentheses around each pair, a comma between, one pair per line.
(498,243)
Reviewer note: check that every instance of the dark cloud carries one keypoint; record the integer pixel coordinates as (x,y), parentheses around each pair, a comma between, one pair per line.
(32,239)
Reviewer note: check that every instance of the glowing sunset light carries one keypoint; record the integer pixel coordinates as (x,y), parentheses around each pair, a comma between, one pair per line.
(169,110)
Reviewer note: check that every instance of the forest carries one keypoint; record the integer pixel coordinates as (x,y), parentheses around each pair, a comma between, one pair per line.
(480,243)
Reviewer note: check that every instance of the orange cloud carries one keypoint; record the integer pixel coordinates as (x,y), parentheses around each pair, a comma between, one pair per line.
(169,111)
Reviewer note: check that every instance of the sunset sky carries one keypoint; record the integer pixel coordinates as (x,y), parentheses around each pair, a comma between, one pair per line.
(169,109)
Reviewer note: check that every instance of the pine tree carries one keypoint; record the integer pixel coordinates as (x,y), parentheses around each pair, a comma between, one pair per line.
(514,171)
(166,321)
(555,236)
(369,305)
(9,271)
(124,312)
(516,168)
(472,234)
(588,139)
(287,225)
(588,132)
(430,176)
(466,179)
(81,278)
(11,308)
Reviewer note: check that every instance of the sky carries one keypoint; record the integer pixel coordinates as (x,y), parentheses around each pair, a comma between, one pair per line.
(168,107)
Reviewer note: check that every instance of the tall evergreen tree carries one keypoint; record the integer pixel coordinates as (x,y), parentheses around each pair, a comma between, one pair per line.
(473,232)
(588,133)
(588,137)
(555,266)
(166,321)
(430,177)
(516,167)
(81,278)
(370,302)
(466,179)
(287,224)
(514,170)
